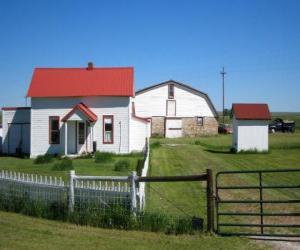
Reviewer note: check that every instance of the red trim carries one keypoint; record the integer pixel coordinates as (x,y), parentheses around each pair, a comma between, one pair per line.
(52,118)
(84,109)
(103,129)
(167,106)
(14,108)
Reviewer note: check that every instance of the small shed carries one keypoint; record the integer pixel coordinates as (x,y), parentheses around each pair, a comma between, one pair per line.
(250,127)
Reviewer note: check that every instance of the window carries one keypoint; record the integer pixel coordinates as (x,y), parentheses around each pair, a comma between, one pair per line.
(54,130)
(81,133)
(171,91)
(108,129)
(199,121)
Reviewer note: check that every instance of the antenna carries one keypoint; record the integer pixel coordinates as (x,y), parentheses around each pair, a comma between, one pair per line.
(223,73)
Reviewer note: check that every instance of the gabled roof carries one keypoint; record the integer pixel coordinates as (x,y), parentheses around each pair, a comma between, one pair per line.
(196,91)
(71,82)
(92,117)
(251,111)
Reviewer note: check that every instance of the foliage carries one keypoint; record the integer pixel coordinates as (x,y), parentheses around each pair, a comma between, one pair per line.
(155,144)
(122,165)
(65,164)
(102,157)
(85,155)
(43,159)
(140,166)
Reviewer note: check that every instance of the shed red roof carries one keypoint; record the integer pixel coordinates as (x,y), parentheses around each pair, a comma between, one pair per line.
(63,82)
(92,117)
(251,111)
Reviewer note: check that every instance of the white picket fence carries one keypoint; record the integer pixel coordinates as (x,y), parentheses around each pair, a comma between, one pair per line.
(79,190)
(100,190)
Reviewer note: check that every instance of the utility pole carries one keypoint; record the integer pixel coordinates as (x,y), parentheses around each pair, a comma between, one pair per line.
(223,73)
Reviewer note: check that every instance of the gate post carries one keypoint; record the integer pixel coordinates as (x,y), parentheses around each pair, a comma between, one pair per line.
(210,201)
(71,191)
(133,192)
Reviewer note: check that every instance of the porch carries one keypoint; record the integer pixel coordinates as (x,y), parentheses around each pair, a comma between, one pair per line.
(79,130)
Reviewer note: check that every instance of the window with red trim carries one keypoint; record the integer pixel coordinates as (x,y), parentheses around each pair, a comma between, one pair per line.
(108,129)
(54,133)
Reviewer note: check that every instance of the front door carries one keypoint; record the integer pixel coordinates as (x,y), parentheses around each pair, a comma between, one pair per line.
(72,137)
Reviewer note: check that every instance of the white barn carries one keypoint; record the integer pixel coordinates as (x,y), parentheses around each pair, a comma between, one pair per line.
(76,110)
(177,110)
(250,127)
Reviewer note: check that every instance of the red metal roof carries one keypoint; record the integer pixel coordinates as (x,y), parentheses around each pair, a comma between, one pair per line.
(14,108)
(63,82)
(251,111)
(92,117)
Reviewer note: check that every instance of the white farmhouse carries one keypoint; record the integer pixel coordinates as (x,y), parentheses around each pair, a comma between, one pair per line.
(76,110)
(176,110)
(250,127)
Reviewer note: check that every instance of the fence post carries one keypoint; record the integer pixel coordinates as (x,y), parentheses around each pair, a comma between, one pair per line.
(133,192)
(71,191)
(210,201)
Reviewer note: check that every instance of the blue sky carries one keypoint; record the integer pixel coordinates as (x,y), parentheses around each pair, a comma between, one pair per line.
(258,42)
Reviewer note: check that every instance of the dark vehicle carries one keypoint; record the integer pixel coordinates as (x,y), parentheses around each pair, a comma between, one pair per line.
(225,129)
(280,125)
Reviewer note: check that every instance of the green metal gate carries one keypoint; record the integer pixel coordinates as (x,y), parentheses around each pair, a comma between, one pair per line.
(256,203)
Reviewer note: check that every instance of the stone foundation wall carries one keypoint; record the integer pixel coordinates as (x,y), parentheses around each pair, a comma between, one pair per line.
(158,126)
(191,129)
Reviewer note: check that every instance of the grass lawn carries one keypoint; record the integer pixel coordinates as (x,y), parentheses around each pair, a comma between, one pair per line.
(81,166)
(23,232)
(184,157)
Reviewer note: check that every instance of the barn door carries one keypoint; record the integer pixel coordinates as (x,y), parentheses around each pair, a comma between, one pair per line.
(173,128)
(171,108)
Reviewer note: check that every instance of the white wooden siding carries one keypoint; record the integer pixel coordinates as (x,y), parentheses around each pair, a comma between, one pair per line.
(42,108)
(188,103)
(139,131)
(12,117)
(250,135)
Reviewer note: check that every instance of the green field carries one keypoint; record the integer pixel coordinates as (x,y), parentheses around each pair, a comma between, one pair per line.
(189,156)
(23,232)
(81,166)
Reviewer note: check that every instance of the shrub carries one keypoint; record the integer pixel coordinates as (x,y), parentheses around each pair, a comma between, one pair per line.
(101,157)
(85,155)
(155,144)
(140,166)
(122,165)
(65,164)
(42,159)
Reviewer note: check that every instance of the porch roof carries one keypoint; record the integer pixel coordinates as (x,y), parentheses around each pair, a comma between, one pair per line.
(91,116)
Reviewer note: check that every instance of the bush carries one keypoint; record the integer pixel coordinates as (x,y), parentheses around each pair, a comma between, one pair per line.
(156,144)
(122,165)
(65,164)
(42,159)
(85,155)
(101,157)
(140,166)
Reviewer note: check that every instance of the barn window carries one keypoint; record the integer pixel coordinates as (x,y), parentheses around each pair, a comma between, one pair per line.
(171,91)
(81,133)
(54,133)
(108,129)
(199,121)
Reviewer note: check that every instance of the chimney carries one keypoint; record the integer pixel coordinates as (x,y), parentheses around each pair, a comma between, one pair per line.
(90,66)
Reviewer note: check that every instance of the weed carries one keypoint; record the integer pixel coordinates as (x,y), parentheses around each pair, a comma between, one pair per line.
(122,165)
